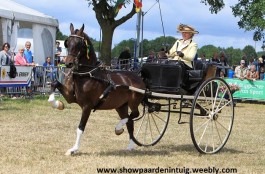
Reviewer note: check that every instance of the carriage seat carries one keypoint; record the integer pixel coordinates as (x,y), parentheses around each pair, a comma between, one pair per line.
(198,72)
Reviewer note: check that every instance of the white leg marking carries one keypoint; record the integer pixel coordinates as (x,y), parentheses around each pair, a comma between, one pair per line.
(77,143)
(51,97)
(121,124)
(52,100)
(131,145)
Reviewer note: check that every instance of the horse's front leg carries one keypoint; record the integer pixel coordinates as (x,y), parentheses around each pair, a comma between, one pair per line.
(85,115)
(55,103)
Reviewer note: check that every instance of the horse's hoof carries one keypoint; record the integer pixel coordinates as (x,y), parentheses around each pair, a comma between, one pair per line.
(70,152)
(60,105)
(119,132)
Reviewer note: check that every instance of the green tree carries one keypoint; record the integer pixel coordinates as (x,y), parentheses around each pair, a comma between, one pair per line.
(233,55)
(120,47)
(251,14)
(60,35)
(208,50)
(105,15)
(249,52)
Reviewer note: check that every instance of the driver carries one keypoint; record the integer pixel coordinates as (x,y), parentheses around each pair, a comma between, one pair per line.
(184,49)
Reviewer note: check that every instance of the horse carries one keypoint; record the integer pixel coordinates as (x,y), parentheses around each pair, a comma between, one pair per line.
(92,86)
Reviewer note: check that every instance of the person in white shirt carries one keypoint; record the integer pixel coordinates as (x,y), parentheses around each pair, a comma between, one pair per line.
(184,49)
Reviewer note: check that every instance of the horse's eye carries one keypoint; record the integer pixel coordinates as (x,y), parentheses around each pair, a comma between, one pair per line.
(65,43)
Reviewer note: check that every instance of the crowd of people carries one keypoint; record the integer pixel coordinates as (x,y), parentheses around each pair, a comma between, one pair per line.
(24,57)
(252,71)
(184,50)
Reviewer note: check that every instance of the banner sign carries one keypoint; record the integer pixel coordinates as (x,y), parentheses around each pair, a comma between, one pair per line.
(254,90)
(23,77)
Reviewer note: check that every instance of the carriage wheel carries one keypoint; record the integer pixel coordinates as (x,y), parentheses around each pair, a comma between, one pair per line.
(150,127)
(212,116)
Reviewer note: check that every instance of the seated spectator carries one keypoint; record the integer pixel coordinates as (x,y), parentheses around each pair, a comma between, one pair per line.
(20,59)
(241,70)
(124,58)
(151,56)
(215,58)
(252,74)
(50,69)
(162,54)
(260,63)
(222,74)
(261,74)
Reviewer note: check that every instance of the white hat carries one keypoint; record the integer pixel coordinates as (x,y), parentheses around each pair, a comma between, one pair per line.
(186,29)
(261,60)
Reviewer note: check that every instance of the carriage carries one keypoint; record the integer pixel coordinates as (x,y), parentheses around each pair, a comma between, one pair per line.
(198,92)
(159,89)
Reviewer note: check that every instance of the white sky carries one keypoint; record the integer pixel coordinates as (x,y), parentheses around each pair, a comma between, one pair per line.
(216,29)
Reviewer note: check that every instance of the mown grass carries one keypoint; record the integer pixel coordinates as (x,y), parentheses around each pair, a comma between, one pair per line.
(34,138)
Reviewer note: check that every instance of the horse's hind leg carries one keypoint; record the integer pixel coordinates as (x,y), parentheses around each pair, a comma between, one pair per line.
(85,115)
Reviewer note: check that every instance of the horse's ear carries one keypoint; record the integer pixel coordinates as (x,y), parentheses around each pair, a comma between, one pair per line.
(81,30)
(72,30)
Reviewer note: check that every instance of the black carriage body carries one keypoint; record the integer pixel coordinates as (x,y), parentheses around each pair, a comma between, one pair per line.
(162,77)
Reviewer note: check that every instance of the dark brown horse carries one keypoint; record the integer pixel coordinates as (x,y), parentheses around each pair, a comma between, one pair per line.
(94,87)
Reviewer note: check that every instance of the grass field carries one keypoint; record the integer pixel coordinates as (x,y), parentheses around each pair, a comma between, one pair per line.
(34,138)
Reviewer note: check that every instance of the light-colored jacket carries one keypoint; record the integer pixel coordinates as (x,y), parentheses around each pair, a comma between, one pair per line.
(189,50)
(4,57)
(240,72)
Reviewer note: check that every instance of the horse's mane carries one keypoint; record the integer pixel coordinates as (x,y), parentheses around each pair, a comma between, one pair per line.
(91,48)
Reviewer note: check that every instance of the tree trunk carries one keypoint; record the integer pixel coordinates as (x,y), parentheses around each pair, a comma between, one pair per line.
(105,53)
(106,19)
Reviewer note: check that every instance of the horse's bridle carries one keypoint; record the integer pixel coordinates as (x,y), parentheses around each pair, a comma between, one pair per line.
(76,57)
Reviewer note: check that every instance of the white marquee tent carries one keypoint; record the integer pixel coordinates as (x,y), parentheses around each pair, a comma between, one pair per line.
(20,23)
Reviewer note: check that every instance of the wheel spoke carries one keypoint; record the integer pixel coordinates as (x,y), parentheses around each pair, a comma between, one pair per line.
(216,111)
(155,124)
(201,125)
(150,128)
(203,132)
(140,127)
(151,132)
(155,114)
(222,126)
(218,132)
(210,135)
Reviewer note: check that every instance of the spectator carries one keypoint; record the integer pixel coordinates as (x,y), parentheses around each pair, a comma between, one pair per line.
(184,49)
(203,58)
(162,54)
(5,59)
(241,70)
(20,59)
(223,61)
(28,53)
(260,63)
(5,55)
(151,56)
(50,69)
(261,74)
(215,58)
(124,58)
(252,74)
(57,53)
(222,74)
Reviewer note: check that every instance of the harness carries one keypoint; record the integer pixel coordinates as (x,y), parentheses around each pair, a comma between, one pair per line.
(93,69)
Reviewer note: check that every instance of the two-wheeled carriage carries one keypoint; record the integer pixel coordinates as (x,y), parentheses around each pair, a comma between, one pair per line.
(170,89)
(158,91)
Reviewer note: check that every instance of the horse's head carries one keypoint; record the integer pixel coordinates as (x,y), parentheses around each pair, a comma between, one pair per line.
(80,49)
